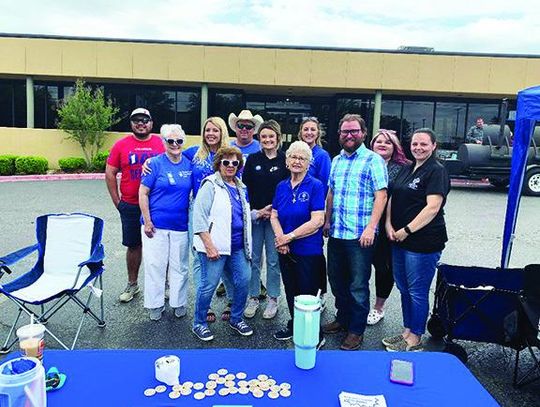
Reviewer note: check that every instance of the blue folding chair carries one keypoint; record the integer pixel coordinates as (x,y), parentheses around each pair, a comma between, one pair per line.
(70,258)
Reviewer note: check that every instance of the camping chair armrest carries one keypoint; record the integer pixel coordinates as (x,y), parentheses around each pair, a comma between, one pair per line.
(14,257)
(97,257)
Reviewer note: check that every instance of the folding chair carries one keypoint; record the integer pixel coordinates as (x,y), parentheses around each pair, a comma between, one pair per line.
(70,258)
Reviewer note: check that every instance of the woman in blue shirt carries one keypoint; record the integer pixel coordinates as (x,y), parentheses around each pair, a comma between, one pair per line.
(310,132)
(297,219)
(164,201)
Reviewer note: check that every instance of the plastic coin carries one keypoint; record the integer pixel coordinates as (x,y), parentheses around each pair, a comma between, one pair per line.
(213,376)
(273,395)
(223,391)
(211,385)
(285,386)
(185,391)
(264,386)
(253,382)
(187,385)
(199,395)
(230,377)
(210,392)
(177,387)
(233,390)
(243,390)
(198,386)
(262,377)
(220,380)
(275,388)
(149,392)
(243,383)
(229,384)
(284,393)
(241,375)
(174,395)
(160,389)
(271,382)
(222,372)
(258,393)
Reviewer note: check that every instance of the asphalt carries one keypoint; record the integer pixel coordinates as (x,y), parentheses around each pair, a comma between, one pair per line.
(475,217)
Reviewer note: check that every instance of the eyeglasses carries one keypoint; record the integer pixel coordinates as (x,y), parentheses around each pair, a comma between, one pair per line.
(352,132)
(173,141)
(298,158)
(228,163)
(243,126)
(144,120)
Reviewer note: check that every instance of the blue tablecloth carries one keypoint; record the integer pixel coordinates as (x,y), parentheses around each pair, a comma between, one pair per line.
(119,377)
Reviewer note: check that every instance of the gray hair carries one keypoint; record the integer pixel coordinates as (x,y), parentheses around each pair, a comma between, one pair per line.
(168,130)
(300,147)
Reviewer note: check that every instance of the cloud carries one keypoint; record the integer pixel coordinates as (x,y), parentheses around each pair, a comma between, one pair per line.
(480,26)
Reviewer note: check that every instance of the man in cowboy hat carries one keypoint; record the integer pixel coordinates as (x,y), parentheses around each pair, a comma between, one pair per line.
(245,125)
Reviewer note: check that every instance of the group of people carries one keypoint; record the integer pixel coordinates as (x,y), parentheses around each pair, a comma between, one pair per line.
(228,202)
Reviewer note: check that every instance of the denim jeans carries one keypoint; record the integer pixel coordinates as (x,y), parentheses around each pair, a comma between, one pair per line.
(263,235)
(349,269)
(413,273)
(237,268)
(195,261)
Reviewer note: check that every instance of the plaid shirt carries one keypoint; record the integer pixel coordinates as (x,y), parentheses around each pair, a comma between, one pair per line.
(353,181)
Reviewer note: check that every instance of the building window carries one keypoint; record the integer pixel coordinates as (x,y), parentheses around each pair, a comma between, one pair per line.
(416,115)
(488,111)
(391,115)
(222,103)
(13,103)
(450,124)
(362,106)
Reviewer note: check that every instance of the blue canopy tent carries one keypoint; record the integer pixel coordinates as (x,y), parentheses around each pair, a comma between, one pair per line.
(528,112)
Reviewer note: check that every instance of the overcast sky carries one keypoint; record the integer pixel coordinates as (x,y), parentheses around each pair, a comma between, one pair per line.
(493,26)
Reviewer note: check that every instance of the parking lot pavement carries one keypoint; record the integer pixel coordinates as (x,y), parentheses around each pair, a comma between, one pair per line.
(475,222)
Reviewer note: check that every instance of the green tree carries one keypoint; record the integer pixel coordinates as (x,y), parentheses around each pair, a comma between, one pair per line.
(85,116)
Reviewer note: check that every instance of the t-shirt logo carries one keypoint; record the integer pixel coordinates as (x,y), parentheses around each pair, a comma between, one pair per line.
(132,158)
(414,184)
(184,174)
(303,197)
(274,168)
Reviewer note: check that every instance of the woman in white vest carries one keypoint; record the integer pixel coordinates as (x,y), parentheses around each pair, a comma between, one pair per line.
(222,238)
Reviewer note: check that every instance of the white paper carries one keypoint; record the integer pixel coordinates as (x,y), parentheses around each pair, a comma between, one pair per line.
(360,400)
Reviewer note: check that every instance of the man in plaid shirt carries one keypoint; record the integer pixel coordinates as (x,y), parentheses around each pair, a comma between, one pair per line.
(355,202)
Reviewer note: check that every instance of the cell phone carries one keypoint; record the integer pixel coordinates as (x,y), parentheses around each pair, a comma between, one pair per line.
(402,372)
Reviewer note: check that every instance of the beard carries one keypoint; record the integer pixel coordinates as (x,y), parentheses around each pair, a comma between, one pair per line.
(348,147)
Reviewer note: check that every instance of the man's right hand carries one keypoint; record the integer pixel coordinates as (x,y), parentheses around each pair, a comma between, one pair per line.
(326,229)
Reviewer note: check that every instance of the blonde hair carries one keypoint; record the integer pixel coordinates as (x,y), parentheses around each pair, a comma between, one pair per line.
(319,131)
(204,150)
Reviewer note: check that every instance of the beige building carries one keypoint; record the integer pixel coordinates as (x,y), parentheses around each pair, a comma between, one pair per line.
(185,83)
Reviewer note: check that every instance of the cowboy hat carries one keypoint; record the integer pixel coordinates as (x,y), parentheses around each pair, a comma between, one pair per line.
(245,115)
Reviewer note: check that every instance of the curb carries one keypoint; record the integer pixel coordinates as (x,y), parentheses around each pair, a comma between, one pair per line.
(51,177)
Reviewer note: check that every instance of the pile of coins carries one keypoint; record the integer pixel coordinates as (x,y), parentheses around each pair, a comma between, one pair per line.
(224,383)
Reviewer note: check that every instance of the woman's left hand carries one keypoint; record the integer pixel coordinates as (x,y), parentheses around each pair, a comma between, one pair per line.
(149,229)
(368,237)
(283,240)
(400,235)
(283,249)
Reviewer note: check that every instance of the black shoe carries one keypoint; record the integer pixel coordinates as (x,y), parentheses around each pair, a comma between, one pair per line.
(220,291)
(284,335)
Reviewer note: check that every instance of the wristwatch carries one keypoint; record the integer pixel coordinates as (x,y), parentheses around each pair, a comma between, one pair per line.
(408,230)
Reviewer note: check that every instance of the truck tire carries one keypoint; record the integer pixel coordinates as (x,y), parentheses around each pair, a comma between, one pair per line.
(531,184)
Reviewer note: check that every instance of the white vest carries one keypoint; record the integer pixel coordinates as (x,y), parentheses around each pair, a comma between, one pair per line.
(220,220)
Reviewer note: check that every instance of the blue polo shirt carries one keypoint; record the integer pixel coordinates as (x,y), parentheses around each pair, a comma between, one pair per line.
(170,185)
(294,207)
(320,165)
(201,169)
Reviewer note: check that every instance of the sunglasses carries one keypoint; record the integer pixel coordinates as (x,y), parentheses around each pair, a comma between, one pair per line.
(310,119)
(243,126)
(144,120)
(173,141)
(228,163)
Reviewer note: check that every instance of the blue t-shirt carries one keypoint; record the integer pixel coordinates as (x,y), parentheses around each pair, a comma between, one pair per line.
(320,165)
(201,169)
(237,222)
(170,185)
(254,147)
(294,207)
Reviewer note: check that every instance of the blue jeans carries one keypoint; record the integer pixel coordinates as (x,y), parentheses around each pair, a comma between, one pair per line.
(237,268)
(263,235)
(195,261)
(413,273)
(349,269)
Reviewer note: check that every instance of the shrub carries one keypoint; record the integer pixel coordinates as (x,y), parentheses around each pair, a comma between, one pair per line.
(100,160)
(72,164)
(7,164)
(31,165)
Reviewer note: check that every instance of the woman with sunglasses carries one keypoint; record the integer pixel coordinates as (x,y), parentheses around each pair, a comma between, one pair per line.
(222,238)
(297,219)
(310,133)
(263,171)
(386,144)
(164,201)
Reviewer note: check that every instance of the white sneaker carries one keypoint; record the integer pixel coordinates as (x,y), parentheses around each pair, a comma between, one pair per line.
(180,312)
(129,292)
(155,313)
(271,308)
(251,308)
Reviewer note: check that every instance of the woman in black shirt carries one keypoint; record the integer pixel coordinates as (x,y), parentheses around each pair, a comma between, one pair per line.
(263,171)
(415,224)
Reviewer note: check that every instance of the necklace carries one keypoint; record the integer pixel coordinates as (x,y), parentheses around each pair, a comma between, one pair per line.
(294,193)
